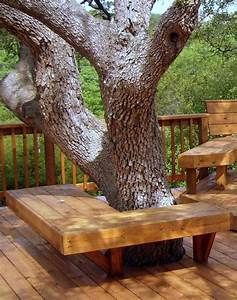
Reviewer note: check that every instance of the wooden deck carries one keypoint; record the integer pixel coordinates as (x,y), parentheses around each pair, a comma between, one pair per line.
(31,269)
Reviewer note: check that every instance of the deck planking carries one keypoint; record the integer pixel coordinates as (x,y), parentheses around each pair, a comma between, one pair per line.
(32,269)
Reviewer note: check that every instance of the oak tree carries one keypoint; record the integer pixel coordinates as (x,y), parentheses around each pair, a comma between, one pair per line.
(124,157)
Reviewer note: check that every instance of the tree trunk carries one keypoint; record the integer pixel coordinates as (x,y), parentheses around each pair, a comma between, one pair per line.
(138,161)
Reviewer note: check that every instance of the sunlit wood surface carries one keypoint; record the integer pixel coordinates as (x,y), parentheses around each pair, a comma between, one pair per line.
(31,269)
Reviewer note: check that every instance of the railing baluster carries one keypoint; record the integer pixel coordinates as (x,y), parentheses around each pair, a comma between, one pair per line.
(74,173)
(3,163)
(62,163)
(25,158)
(14,158)
(36,157)
(85,181)
(163,136)
(182,143)
(191,133)
(173,149)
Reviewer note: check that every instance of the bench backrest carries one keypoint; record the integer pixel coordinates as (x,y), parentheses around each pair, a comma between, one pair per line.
(223,117)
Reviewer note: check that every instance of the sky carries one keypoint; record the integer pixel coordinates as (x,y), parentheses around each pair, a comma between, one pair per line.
(161,6)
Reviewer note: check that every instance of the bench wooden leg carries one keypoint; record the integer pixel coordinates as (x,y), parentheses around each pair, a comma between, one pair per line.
(221,177)
(191,180)
(202,245)
(115,257)
(111,261)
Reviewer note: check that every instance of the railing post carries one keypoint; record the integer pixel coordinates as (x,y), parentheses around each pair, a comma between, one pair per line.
(203,130)
(50,167)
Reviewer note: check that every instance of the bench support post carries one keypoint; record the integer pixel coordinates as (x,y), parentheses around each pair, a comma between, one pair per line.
(202,245)
(191,180)
(115,257)
(221,177)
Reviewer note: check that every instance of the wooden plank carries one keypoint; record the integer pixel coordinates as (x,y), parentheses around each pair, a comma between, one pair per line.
(33,217)
(6,292)
(25,158)
(14,278)
(221,106)
(14,158)
(62,164)
(202,245)
(221,177)
(3,163)
(119,230)
(74,173)
(222,118)
(36,157)
(183,117)
(163,137)
(173,148)
(50,165)
(190,133)
(191,180)
(222,129)
(217,152)
(82,202)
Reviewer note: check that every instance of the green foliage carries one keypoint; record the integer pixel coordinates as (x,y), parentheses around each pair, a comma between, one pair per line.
(90,87)
(220,34)
(195,76)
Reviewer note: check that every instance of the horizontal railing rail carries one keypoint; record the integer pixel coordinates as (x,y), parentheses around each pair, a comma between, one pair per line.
(28,158)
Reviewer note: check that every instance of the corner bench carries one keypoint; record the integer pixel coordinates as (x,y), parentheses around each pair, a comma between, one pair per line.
(218,153)
(74,222)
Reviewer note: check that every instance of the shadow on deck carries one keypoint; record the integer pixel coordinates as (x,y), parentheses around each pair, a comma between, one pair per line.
(31,269)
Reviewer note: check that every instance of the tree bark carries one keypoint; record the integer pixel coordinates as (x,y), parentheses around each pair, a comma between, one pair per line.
(55,103)
(126,160)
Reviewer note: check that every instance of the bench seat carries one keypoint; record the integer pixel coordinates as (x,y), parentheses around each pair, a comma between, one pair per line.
(56,213)
(217,152)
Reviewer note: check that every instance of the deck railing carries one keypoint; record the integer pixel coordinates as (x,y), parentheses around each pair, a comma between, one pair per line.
(28,158)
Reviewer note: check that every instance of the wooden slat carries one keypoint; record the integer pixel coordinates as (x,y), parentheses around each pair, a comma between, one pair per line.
(50,165)
(85,182)
(223,129)
(3,163)
(173,149)
(221,106)
(222,118)
(217,152)
(25,158)
(183,117)
(14,158)
(29,214)
(36,157)
(74,173)
(163,136)
(119,230)
(62,164)
(191,133)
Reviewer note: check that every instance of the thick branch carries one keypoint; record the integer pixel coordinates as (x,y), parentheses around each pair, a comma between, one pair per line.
(133,14)
(172,33)
(70,20)
(58,103)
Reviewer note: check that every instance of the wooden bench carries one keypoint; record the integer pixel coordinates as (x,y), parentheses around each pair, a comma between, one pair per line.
(74,222)
(219,152)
